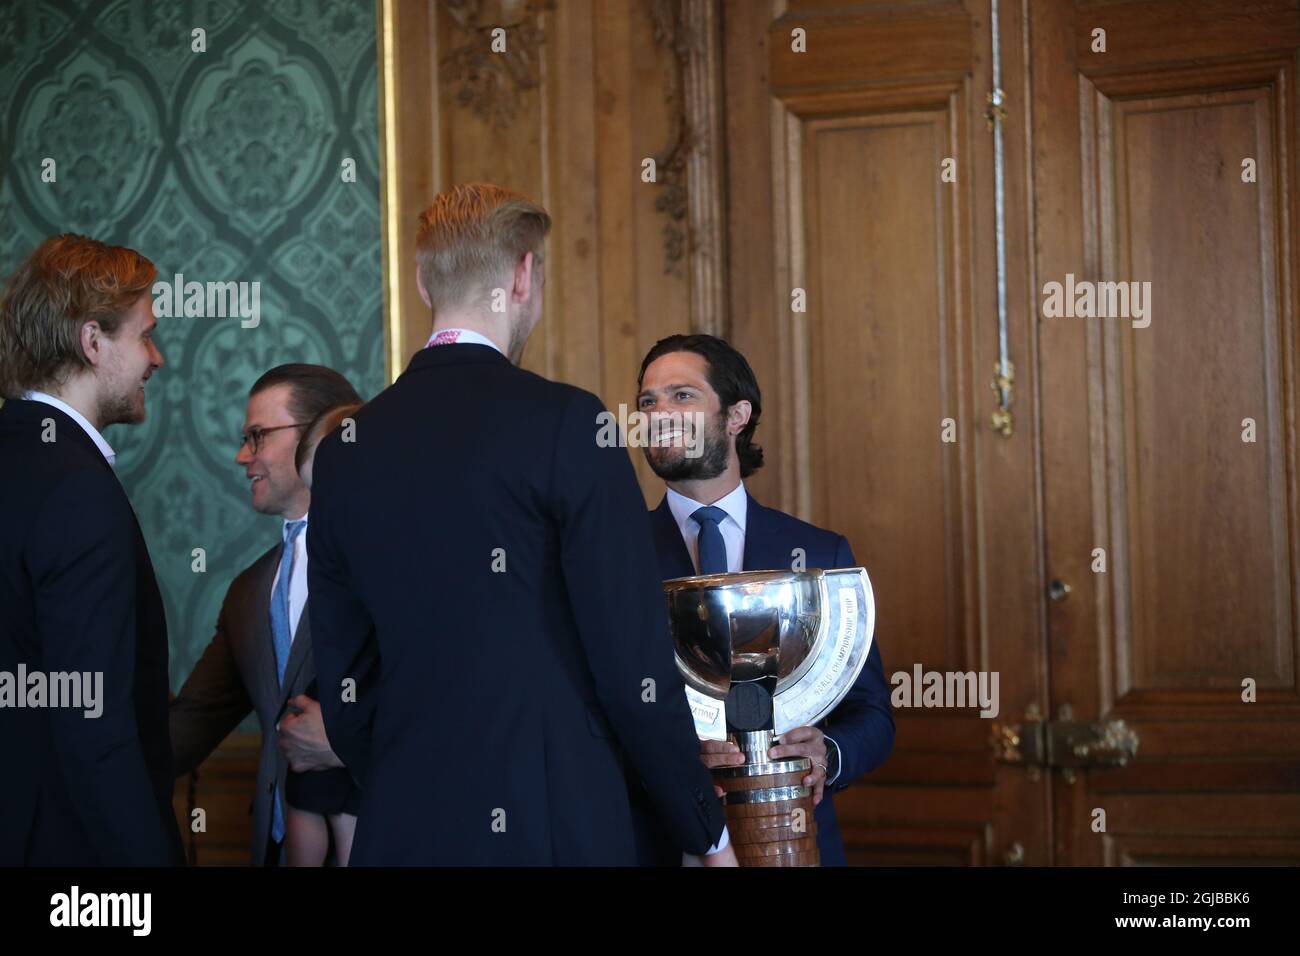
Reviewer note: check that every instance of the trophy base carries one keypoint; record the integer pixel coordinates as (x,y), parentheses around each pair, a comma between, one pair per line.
(769,810)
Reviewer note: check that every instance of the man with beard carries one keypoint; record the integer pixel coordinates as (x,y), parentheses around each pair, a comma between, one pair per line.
(76,583)
(501,557)
(704,405)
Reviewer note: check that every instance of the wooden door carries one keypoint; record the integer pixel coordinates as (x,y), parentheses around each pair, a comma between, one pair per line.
(877,398)
(1123,163)
(1169,441)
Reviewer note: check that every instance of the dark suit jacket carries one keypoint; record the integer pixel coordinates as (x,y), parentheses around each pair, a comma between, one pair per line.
(78,592)
(508,701)
(235,675)
(862,725)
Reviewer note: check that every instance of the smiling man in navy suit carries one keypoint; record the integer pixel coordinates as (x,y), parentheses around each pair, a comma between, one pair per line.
(708,523)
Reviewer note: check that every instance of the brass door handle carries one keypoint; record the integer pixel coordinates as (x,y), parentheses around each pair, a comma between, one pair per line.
(1111,744)
(1065,743)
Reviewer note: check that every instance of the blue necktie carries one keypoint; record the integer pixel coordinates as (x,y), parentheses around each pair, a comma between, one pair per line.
(713,550)
(282,637)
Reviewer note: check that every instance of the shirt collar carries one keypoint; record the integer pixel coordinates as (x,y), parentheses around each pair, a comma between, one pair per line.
(735,504)
(460,337)
(104,447)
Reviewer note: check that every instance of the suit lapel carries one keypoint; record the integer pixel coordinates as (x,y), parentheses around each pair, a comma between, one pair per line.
(674,560)
(259,628)
(299,651)
(762,545)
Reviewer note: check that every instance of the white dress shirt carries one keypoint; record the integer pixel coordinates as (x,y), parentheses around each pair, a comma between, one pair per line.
(297,577)
(104,447)
(735,504)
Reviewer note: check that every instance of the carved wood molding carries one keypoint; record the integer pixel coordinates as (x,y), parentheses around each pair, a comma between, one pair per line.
(690,169)
(489,82)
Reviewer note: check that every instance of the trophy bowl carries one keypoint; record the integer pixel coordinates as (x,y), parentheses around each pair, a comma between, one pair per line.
(763,652)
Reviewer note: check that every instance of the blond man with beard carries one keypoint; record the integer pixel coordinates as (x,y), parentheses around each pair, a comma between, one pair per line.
(76,582)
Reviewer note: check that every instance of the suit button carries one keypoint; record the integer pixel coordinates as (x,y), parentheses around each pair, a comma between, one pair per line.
(270,787)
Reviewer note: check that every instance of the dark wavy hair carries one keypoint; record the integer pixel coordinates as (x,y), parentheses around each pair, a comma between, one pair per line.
(730,376)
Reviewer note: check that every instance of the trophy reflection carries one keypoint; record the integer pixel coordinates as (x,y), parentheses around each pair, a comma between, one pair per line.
(763,652)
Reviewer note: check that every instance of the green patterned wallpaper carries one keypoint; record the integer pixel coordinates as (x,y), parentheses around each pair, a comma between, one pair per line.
(223,165)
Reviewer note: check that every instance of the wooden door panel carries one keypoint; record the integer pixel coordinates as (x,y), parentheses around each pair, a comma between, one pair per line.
(1122,164)
(1196,604)
(916,848)
(862,220)
(1156,32)
(888,360)
(885,362)
(1181,850)
(1143,426)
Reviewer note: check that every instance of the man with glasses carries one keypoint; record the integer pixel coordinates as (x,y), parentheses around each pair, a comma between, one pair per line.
(260,657)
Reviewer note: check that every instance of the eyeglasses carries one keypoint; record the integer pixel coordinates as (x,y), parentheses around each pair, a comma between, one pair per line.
(253,437)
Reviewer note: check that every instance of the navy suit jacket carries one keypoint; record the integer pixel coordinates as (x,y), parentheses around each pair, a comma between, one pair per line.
(862,725)
(500,561)
(78,592)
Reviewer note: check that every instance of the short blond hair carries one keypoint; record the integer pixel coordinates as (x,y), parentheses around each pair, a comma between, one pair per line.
(472,237)
(67,281)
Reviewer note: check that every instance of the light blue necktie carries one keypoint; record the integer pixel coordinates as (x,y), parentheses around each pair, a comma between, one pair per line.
(282,637)
(713,550)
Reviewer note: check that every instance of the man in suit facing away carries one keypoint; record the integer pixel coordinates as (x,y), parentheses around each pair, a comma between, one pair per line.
(76,583)
(497,552)
(260,658)
(708,523)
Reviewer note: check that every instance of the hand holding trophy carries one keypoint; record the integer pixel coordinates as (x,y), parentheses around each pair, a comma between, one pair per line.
(762,653)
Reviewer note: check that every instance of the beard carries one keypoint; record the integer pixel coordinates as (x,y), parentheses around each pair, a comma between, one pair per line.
(124,408)
(671,464)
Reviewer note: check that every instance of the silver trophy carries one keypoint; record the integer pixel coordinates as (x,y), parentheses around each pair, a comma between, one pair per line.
(763,652)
